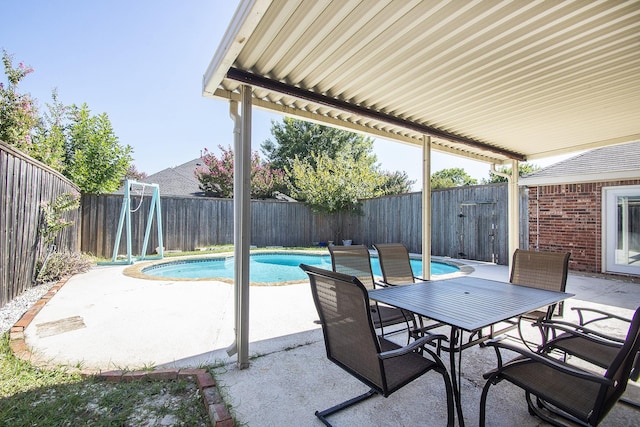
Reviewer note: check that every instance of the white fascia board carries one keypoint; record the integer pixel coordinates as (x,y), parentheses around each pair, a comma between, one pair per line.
(580,178)
(576,149)
(244,22)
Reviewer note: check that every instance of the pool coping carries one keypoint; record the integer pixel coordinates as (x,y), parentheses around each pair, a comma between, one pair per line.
(136,270)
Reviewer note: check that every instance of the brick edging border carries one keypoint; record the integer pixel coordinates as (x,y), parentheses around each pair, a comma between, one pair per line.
(215,406)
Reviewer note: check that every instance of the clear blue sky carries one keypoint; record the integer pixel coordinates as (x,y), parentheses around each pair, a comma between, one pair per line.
(142,62)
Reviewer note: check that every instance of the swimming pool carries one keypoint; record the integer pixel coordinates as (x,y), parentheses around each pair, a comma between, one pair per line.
(267,267)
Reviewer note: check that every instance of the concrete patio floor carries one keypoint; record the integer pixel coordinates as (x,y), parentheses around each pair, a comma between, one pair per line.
(105,320)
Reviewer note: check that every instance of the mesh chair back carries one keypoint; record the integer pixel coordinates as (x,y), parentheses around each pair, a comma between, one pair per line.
(353,261)
(543,270)
(350,340)
(620,369)
(394,263)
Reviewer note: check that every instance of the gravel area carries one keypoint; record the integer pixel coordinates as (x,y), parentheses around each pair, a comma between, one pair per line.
(12,312)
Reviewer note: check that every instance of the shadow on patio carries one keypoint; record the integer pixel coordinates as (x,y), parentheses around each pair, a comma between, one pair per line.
(286,386)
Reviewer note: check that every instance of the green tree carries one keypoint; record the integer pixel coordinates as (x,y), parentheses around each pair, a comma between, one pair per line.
(18,113)
(452,177)
(83,147)
(50,135)
(333,185)
(300,138)
(216,176)
(523,169)
(94,159)
(296,138)
(395,183)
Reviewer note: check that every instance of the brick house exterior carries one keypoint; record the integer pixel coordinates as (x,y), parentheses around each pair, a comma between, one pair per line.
(566,203)
(568,218)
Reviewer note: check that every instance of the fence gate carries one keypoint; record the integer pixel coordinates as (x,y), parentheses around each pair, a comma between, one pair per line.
(477,231)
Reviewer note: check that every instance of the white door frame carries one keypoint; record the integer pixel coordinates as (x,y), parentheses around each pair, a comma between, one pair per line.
(610,228)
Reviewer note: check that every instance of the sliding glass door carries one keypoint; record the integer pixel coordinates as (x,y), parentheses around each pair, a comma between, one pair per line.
(622,229)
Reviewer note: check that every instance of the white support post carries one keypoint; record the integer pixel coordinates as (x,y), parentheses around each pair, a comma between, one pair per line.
(426,208)
(514,210)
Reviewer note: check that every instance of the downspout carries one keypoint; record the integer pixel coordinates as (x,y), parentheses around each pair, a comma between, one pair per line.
(513,210)
(426,207)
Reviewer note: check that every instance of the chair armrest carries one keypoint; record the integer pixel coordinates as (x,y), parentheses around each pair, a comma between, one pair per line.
(420,342)
(380,284)
(580,331)
(604,315)
(552,363)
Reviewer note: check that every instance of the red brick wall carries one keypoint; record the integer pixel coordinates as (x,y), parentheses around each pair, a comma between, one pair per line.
(568,218)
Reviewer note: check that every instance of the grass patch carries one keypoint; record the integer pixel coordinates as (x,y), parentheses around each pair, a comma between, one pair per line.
(32,396)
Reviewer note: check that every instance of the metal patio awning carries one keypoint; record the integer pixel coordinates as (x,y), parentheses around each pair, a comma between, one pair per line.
(491,80)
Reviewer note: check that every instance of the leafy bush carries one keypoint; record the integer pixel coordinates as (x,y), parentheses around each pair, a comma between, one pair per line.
(53,222)
(63,264)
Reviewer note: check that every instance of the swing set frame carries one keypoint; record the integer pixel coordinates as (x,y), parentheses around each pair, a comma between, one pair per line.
(125,219)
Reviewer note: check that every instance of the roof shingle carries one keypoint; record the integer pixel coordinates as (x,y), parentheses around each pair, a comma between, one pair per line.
(603,164)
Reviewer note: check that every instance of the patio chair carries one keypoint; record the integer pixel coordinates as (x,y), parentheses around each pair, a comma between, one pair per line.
(543,270)
(396,270)
(575,394)
(395,264)
(354,261)
(587,344)
(352,344)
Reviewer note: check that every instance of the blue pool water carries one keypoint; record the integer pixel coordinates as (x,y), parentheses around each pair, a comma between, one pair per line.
(268,267)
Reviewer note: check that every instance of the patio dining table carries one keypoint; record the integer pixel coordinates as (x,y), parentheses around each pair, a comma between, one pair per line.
(468,304)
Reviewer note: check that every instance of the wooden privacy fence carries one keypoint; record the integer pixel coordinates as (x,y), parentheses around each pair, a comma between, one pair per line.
(189,223)
(468,222)
(24,184)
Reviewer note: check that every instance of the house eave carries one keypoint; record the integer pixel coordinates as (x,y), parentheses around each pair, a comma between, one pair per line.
(580,178)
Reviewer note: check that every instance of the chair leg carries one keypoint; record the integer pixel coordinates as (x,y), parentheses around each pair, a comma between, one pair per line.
(377,313)
(630,402)
(339,407)
(450,402)
(483,399)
